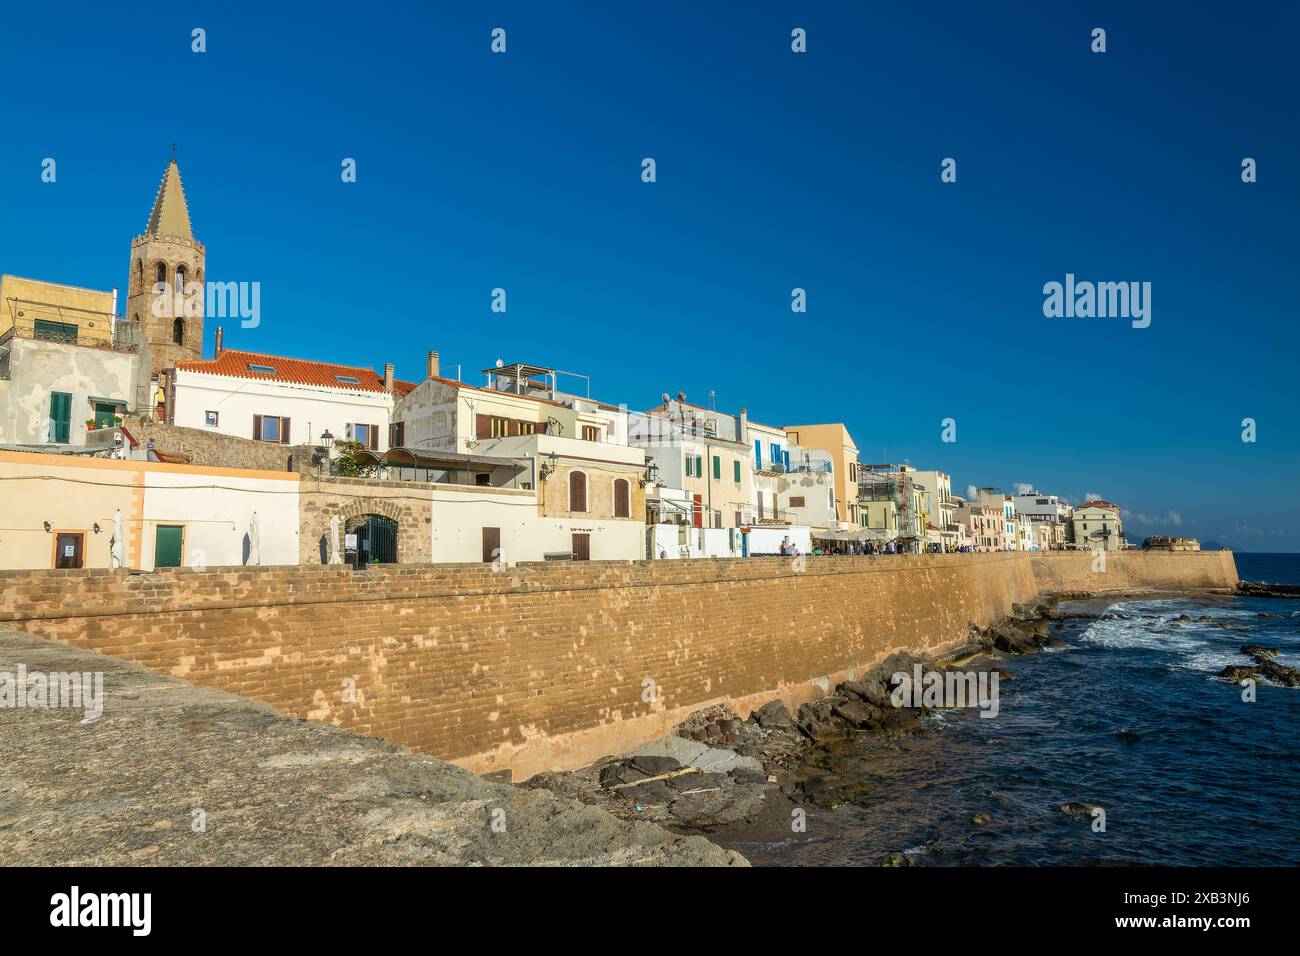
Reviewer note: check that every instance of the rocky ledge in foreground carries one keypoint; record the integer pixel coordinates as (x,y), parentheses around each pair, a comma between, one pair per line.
(168,758)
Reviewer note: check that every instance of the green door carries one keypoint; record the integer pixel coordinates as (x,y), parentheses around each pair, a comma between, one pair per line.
(167,546)
(60,416)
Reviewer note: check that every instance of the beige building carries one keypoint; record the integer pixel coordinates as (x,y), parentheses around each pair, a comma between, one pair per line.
(58,511)
(1097,526)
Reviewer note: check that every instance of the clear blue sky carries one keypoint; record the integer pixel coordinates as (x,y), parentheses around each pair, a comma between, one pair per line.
(775,170)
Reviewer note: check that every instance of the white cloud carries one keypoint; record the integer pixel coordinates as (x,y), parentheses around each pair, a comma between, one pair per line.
(1024,488)
(971,493)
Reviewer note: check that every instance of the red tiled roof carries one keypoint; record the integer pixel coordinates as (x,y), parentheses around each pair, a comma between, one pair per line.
(301,371)
(1099,504)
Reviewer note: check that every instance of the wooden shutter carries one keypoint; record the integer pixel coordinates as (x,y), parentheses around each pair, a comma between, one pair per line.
(577,491)
(482,426)
(257,428)
(373,432)
(621,507)
(284,431)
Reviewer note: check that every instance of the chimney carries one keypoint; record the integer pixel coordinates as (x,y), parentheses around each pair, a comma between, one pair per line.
(388,376)
(433,365)
(744,426)
(220,343)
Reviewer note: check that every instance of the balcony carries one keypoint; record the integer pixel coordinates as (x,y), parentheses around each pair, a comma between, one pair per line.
(95,331)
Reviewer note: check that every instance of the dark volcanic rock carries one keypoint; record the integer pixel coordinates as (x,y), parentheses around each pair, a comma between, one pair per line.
(1261,589)
(773,716)
(653,766)
(1236,674)
(859,714)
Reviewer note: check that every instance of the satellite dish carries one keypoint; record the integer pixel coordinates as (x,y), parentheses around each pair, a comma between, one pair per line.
(500,364)
(665,396)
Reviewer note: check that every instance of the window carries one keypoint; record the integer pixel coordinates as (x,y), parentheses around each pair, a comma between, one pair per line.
(160,273)
(347,380)
(775,450)
(396,434)
(622,498)
(60,416)
(690,466)
(272,428)
(262,369)
(482,479)
(590,433)
(367,435)
(735,470)
(178,332)
(105,414)
(180,279)
(500,427)
(137,277)
(717,468)
(577,491)
(758,453)
(48,331)
(210,419)
(796,502)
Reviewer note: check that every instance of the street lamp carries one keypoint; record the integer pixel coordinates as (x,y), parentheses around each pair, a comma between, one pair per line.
(322,453)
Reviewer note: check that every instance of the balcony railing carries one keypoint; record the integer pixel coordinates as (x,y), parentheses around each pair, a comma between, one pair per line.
(93,333)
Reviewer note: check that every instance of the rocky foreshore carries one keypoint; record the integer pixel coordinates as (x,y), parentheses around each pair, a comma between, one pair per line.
(725,776)
(1263,589)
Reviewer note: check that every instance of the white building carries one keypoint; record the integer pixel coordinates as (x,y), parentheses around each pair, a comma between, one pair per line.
(285,400)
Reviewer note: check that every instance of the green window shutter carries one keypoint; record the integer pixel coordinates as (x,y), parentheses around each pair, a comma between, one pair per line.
(735,468)
(717,468)
(60,416)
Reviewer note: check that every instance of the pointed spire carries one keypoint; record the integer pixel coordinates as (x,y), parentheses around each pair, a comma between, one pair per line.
(170,217)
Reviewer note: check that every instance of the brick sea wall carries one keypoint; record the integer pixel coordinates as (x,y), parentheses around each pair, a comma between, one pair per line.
(546,665)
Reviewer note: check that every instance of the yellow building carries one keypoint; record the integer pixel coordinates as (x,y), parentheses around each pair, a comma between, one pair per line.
(51,311)
(835,441)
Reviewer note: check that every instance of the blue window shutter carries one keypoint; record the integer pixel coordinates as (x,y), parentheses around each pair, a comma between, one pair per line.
(758,453)
(785,456)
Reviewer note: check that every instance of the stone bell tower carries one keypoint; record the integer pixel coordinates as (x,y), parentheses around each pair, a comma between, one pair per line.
(165,295)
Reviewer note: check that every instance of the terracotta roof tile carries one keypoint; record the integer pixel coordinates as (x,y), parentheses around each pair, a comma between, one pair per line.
(238,364)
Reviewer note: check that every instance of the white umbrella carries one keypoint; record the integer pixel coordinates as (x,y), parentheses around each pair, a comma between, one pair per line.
(117,553)
(254,542)
(335,557)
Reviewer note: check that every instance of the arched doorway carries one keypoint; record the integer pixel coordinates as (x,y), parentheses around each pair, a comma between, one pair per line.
(376,536)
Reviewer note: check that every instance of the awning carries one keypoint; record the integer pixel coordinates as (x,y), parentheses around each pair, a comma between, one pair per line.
(449,460)
(104,401)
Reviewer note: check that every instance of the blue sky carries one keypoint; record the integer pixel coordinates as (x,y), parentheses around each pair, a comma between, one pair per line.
(775,171)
